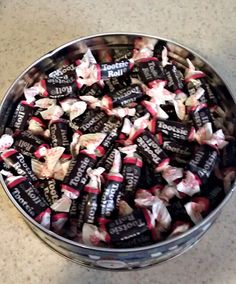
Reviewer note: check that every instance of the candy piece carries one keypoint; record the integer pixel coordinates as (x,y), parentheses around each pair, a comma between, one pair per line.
(120,98)
(143,239)
(124,208)
(169,110)
(93,188)
(24,193)
(121,112)
(59,87)
(123,97)
(178,212)
(37,113)
(149,148)
(173,75)
(155,109)
(6,170)
(68,70)
(111,69)
(51,190)
(174,129)
(200,116)
(31,94)
(203,162)
(75,145)
(160,96)
(111,191)
(144,194)
(179,161)
(59,132)
(195,79)
(167,193)
(213,193)
(144,45)
(21,116)
(190,184)
(216,140)
(125,129)
(90,121)
(28,144)
(89,73)
(158,48)
(88,202)
(76,176)
(71,226)
(95,90)
(107,142)
(171,174)
(132,164)
(61,167)
(77,109)
(179,105)
(16,160)
(138,125)
(171,145)
(94,73)
(37,126)
(87,61)
(194,99)
(158,209)
(58,222)
(149,69)
(149,177)
(111,123)
(90,141)
(82,200)
(204,133)
(51,157)
(54,112)
(178,228)
(45,103)
(123,51)
(6,142)
(123,231)
(158,93)
(107,160)
(156,189)
(116,83)
(195,210)
(73,107)
(92,235)
(67,103)
(140,111)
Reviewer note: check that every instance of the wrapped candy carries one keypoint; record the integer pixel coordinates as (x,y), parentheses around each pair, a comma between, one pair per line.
(26,196)
(111,192)
(195,79)
(88,204)
(132,164)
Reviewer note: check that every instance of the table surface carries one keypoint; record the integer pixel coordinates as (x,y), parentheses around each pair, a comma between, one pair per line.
(28,29)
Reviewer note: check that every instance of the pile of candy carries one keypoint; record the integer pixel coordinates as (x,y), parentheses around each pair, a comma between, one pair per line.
(124,153)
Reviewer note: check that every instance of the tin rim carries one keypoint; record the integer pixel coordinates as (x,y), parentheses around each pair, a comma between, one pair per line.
(116,250)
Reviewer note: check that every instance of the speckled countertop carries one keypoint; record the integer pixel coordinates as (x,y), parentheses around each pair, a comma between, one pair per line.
(28,29)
